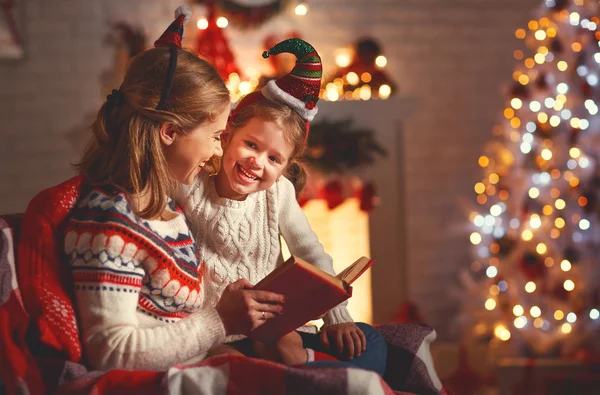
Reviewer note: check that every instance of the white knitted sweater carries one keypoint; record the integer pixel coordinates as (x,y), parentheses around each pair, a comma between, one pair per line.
(240,239)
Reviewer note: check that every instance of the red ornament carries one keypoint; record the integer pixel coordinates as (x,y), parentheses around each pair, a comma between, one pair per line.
(368,197)
(334,194)
(532,266)
(212,45)
(310,105)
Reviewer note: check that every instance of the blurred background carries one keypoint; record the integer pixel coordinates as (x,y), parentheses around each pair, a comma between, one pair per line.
(456,143)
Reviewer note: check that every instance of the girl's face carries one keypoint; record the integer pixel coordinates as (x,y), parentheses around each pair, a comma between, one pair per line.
(186,154)
(255,156)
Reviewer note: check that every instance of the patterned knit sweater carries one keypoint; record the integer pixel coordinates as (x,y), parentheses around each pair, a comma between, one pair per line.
(138,286)
(240,239)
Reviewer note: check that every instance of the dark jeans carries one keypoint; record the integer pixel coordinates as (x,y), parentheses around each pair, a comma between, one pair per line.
(373,358)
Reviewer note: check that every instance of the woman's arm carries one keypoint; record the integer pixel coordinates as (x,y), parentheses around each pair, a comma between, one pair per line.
(107,273)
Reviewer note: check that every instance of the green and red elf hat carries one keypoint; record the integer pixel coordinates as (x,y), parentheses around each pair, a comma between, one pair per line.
(300,88)
(172,38)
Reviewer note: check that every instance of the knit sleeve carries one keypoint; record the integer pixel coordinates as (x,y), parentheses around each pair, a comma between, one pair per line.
(108,264)
(304,244)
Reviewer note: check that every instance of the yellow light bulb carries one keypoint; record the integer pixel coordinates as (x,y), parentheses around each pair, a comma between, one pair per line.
(490,304)
(518,310)
(530,287)
(527,235)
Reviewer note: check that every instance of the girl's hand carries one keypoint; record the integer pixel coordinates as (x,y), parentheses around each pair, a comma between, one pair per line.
(348,338)
(242,309)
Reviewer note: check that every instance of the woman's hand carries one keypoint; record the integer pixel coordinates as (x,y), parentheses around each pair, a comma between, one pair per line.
(242,309)
(348,338)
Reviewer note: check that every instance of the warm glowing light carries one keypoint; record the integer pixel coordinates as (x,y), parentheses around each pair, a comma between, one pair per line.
(559,223)
(594,314)
(559,315)
(535,311)
(301,9)
(502,333)
(490,304)
(515,123)
(520,33)
(529,63)
(222,22)
(576,47)
(575,152)
(541,248)
(342,59)
(542,117)
(546,154)
(562,65)
(530,287)
(540,35)
(202,24)
(483,161)
(534,193)
(509,113)
(518,310)
(547,209)
(538,322)
(366,77)
(549,262)
(352,78)
(520,322)
(475,238)
(494,178)
(479,187)
(516,103)
(569,285)
(385,91)
(523,79)
(381,61)
(535,221)
(532,25)
(560,204)
(566,328)
(494,290)
(527,235)
(565,265)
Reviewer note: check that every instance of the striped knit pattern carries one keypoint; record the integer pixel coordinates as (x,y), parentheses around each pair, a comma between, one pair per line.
(113,250)
(304,81)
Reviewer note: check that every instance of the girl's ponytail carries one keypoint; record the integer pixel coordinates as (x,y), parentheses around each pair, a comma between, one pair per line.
(297,175)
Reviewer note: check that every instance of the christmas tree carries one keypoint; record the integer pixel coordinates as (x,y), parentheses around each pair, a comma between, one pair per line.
(534,282)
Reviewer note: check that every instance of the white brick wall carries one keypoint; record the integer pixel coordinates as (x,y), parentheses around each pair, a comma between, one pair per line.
(449,56)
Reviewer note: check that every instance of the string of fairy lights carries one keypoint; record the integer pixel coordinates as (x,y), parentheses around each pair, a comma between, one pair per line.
(546,116)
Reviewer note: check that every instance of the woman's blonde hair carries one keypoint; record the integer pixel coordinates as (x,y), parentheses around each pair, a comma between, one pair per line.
(293,126)
(124,150)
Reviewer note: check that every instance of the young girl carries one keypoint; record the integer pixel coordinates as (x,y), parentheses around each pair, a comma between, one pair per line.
(136,270)
(238,216)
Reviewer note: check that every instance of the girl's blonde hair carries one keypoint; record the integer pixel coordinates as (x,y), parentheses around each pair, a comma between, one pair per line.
(124,150)
(293,126)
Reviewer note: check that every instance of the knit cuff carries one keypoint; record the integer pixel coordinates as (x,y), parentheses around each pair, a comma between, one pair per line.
(337,315)
(212,330)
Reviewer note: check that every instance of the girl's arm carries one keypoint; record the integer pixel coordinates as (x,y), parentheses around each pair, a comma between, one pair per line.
(108,274)
(304,244)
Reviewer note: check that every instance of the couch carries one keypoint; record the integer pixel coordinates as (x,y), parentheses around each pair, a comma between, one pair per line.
(40,351)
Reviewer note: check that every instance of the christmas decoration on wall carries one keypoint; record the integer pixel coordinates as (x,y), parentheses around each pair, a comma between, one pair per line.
(213,45)
(361,74)
(536,230)
(247,14)
(335,154)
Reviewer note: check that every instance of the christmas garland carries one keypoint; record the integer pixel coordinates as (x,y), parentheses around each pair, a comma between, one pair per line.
(337,147)
(246,16)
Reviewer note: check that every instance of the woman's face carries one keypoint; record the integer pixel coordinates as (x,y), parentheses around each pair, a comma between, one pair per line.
(186,154)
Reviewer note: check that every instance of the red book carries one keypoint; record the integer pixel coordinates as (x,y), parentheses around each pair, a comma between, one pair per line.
(309,292)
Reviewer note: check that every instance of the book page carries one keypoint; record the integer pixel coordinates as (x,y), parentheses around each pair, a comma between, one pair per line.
(354,271)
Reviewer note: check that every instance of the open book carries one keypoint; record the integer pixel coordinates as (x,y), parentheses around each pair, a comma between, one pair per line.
(309,292)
